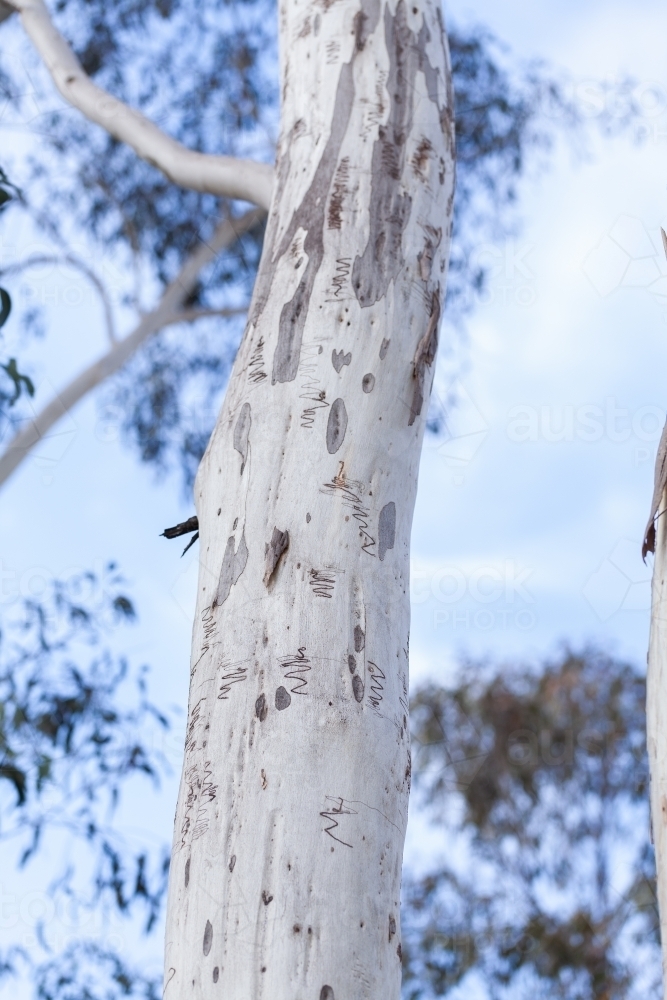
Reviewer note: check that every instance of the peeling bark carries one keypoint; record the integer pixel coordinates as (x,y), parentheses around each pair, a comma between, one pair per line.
(297,761)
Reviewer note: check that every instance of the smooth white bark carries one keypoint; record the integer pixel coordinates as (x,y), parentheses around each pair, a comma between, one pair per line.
(286,866)
(168,312)
(220,175)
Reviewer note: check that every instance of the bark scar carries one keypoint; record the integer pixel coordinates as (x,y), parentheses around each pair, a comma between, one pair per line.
(424,357)
(274,550)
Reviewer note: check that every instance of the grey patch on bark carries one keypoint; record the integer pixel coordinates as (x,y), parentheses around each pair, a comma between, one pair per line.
(232,862)
(216,974)
(659,483)
(261,708)
(352,663)
(368,382)
(283,698)
(359,637)
(308,519)
(326,993)
(310,216)
(208,937)
(358,688)
(338,359)
(187,872)
(274,550)
(266,899)
(384,347)
(424,358)
(233,564)
(386,529)
(242,432)
(336,426)
(390,205)
(392,928)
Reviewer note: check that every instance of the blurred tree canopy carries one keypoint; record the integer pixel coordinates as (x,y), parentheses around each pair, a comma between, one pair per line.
(76,726)
(534,781)
(207,74)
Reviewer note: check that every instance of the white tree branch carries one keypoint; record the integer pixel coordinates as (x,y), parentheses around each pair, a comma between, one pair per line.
(226,176)
(42,258)
(167,312)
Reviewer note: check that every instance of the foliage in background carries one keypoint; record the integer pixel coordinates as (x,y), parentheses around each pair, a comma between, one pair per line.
(207,73)
(13,382)
(537,781)
(75,727)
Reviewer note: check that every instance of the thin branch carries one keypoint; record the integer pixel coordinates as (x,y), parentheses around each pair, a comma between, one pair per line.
(225,176)
(168,311)
(38,259)
(190,315)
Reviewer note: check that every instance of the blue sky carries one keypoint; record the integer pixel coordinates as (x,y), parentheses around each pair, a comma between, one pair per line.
(530,510)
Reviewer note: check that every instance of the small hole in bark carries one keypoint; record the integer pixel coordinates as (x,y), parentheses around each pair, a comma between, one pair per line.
(296,929)
(216,974)
(219,510)
(368,382)
(236,521)
(307,518)
(232,862)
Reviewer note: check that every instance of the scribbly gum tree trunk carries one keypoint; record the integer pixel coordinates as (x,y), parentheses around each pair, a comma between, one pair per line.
(290,822)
